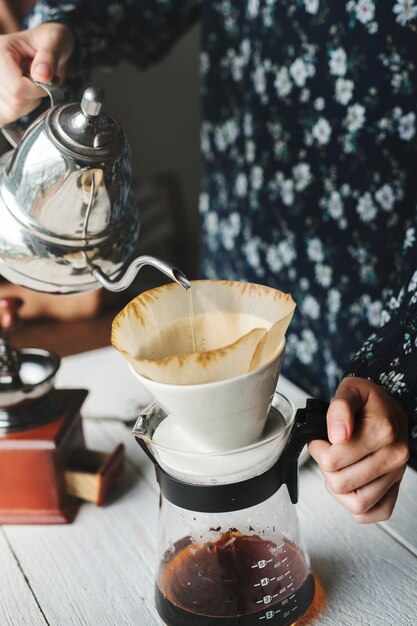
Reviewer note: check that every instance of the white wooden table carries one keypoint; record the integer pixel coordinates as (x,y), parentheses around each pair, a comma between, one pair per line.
(98,571)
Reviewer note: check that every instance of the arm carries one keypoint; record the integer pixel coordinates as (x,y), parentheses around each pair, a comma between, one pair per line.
(87,32)
(140,31)
(372,421)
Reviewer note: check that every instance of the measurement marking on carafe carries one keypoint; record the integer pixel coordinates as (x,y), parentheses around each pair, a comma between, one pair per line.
(264,582)
(270,614)
(261,564)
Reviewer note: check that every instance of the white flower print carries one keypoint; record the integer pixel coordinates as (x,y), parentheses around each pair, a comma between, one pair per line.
(251,251)
(256,177)
(302,176)
(365,11)
(287,252)
(287,192)
(250,151)
(321,131)
(306,347)
(241,185)
(407,128)
(273,259)
(413,282)
(310,307)
(229,229)
(355,117)
(299,72)
(248,125)
(385,318)
(410,237)
(392,381)
(204,203)
(405,10)
(333,301)
(374,313)
(283,84)
(311,6)
(366,208)
(253,8)
(315,250)
(281,255)
(324,275)
(212,221)
(259,80)
(338,62)
(335,205)
(344,90)
(319,104)
(385,197)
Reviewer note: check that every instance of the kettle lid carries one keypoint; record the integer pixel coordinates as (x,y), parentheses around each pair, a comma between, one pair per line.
(86,130)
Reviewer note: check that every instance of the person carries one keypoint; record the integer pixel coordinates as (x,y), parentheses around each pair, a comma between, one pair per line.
(309,141)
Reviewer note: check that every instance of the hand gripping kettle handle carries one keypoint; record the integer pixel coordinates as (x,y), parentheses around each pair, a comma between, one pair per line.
(12,132)
(310,423)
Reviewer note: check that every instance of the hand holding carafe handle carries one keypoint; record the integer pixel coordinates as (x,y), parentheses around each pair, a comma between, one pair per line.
(310,423)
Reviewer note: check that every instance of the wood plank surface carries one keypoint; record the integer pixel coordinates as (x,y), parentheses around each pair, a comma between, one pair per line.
(367,577)
(403,524)
(18,606)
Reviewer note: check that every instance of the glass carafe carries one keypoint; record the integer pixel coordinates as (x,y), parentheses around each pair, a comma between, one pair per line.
(229,549)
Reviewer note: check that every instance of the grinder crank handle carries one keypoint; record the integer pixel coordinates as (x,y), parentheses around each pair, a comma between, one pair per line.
(310,423)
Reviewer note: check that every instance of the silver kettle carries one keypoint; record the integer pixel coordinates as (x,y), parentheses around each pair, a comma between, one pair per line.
(67,220)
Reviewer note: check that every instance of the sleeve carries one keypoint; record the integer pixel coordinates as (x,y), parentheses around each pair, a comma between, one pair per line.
(389,356)
(140,31)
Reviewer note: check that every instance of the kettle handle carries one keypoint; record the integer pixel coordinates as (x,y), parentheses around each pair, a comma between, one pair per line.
(12,132)
(310,423)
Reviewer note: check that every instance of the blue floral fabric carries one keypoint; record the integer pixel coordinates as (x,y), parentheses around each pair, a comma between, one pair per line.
(309,145)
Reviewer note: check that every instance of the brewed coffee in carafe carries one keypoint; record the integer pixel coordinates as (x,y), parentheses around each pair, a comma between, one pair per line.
(238,579)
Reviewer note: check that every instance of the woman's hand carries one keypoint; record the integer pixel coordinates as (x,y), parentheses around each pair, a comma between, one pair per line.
(366,459)
(45,50)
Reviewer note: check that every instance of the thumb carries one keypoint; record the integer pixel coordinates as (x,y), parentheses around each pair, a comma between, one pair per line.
(53,44)
(347,402)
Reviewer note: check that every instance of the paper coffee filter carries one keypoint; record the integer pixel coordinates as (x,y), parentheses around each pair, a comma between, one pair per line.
(238,327)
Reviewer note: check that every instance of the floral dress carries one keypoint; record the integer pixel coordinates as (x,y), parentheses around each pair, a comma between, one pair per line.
(310,170)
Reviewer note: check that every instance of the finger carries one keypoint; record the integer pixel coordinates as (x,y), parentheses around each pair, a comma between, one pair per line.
(319,449)
(53,46)
(347,403)
(369,436)
(359,502)
(381,511)
(368,469)
(14,82)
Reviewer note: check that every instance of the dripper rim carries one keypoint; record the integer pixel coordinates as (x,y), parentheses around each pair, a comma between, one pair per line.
(213,454)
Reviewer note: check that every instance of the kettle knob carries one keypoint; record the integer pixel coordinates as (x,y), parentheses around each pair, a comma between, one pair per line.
(92,101)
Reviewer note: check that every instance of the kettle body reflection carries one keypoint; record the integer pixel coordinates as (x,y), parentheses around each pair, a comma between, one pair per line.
(68,220)
(230,551)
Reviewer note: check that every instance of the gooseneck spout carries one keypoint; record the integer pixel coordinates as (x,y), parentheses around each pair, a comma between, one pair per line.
(127,277)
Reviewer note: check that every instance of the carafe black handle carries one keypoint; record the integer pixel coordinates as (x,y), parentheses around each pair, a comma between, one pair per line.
(310,423)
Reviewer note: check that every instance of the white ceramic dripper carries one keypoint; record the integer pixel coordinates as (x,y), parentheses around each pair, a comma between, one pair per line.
(242,328)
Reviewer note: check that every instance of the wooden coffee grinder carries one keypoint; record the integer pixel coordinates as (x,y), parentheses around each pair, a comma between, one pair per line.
(45,467)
